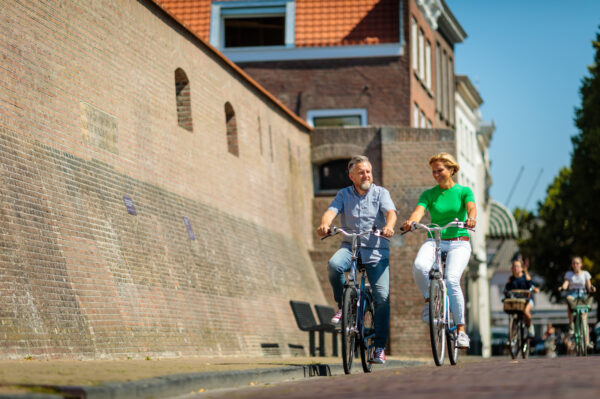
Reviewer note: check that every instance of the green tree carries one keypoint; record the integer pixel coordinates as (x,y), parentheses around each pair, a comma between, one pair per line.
(568,221)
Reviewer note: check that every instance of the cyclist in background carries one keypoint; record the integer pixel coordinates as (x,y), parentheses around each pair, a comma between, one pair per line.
(519,280)
(445,202)
(362,206)
(577,279)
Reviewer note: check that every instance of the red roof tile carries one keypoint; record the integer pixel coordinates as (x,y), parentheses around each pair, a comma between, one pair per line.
(318,22)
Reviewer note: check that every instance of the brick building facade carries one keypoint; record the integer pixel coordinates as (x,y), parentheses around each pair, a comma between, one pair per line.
(140,214)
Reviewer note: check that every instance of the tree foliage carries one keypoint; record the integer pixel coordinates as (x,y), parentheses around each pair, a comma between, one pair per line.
(568,221)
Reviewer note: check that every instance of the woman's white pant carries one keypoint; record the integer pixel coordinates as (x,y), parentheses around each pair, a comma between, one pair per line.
(457,259)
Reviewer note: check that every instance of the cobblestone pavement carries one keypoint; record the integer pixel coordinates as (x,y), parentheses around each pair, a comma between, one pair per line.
(563,377)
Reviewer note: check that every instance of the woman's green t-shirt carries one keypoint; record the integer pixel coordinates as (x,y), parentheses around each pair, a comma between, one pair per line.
(446,205)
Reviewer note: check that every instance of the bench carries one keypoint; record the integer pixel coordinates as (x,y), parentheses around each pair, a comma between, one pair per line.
(325,313)
(306,322)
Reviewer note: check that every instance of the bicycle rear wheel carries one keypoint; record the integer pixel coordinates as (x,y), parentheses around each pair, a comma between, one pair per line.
(513,336)
(367,343)
(348,327)
(437,325)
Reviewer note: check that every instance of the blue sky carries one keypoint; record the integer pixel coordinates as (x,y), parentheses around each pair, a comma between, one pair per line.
(527,58)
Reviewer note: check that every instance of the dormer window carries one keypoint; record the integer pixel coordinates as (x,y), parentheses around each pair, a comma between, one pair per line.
(243,24)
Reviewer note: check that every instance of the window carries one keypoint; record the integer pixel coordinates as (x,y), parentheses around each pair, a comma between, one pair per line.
(236,24)
(416,116)
(423,123)
(182,99)
(429,125)
(421,55)
(428,64)
(232,138)
(438,77)
(413,45)
(333,175)
(450,91)
(254,31)
(337,117)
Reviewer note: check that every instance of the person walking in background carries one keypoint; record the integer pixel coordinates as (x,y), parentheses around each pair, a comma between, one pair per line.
(445,202)
(362,206)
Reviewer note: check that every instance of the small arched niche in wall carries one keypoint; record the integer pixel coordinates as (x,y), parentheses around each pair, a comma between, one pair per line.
(183,100)
(231,125)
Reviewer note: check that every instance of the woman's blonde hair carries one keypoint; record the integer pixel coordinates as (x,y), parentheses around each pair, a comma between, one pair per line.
(447,159)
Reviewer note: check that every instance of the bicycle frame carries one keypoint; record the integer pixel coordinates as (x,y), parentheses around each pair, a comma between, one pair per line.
(437,274)
(580,330)
(362,305)
(520,334)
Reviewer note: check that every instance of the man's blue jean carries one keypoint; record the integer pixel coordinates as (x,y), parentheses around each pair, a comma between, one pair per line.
(379,277)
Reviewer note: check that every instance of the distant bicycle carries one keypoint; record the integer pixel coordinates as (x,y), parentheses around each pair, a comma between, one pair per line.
(580,330)
(518,338)
(358,323)
(442,329)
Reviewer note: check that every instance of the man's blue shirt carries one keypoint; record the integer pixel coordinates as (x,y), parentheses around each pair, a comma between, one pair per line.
(362,212)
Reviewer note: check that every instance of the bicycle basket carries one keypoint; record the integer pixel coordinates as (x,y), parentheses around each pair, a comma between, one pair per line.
(514,305)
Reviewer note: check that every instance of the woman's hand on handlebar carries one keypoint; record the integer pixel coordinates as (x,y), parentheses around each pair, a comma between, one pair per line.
(406,225)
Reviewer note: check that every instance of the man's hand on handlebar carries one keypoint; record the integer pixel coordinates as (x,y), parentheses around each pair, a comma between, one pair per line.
(323,230)
(387,232)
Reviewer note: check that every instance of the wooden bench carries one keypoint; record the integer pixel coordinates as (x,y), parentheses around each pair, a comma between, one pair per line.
(306,322)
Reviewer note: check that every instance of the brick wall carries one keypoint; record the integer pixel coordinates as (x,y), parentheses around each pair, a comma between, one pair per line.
(381,85)
(401,156)
(88,121)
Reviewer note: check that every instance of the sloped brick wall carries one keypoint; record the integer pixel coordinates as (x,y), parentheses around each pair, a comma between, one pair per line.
(88,125)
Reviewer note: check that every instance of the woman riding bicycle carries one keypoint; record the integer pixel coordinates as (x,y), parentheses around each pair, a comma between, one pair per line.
(445,202)
(575,280)
(520,280)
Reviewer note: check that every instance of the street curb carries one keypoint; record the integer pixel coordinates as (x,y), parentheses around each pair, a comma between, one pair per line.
(180,384)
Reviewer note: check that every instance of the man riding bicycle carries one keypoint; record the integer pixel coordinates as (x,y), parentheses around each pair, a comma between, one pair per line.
(362,206)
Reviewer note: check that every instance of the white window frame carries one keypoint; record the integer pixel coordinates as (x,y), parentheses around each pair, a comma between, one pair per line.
(421,54)
(240,9)
(324,113)
(416,115)
(413,41)
(428,64)
(423,123)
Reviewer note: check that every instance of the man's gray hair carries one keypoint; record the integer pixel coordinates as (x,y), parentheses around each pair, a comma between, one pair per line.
(357,159)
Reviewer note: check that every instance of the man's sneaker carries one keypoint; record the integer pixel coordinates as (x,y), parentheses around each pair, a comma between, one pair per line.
(462,341)
(530,332)
(379,357)
(425,313)
(335,320)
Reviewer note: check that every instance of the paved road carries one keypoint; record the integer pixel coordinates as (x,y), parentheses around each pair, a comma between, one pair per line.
(563,377)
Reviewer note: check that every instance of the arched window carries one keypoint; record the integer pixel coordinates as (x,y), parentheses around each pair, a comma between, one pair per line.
(232,138)
(183,100)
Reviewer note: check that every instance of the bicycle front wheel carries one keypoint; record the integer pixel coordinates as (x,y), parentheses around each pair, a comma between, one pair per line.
(524,338)
(580,336)
(451,337)
(513,336)
(348,327)
(367,336)
(437,324)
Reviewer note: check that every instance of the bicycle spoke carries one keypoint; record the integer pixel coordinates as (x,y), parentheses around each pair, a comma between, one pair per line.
(348,328)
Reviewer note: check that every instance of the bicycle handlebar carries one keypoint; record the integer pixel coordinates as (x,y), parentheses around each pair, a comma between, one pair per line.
(416,226)
(335,230)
